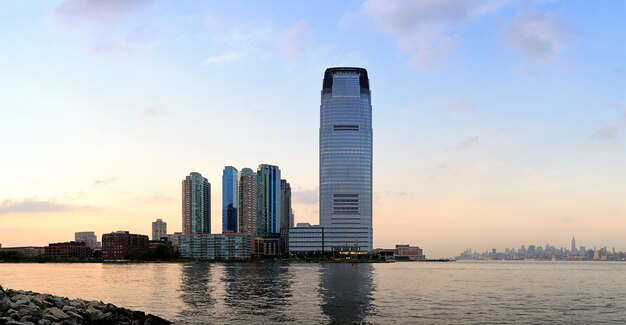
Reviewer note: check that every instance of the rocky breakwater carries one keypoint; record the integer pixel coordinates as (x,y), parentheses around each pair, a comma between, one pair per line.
(26,307)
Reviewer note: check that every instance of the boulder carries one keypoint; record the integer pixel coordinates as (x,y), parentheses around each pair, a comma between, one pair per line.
(67,308)
(5,304)
(44,322)
(57,313)
(93,314)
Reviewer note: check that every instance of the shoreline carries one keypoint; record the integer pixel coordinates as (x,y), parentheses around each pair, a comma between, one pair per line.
(27,307)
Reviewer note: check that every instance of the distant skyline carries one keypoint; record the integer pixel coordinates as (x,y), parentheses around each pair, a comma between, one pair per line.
(496,122)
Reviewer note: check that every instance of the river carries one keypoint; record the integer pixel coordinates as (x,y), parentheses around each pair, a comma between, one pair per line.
(498,292)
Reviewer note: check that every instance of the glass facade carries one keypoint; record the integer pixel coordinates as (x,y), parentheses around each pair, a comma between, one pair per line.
(346,159)
(269,200)
(196,204)
(230,201)
(248,203)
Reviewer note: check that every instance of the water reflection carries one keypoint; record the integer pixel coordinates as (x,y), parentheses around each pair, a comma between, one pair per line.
(347,292)
(196,291)
(258,292)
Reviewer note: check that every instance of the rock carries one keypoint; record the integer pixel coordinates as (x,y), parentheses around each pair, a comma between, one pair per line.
(67,308)
(77,303)
(44,322)
(75,315)
(38,302)
(28,319)
(13,322)
(5,304)
(57,313)
(93,314)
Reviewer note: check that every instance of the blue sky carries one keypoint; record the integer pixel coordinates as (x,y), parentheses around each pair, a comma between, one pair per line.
(496,123)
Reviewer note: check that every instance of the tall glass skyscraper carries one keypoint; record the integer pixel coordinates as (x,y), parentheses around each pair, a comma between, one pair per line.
(230,191)
(269,199)
(346,159)
(196,205)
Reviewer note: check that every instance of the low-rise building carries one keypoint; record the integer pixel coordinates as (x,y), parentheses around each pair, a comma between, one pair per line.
(409,253)
(67,250)
(227,246)
(27,251)
(122,245)
(305,238)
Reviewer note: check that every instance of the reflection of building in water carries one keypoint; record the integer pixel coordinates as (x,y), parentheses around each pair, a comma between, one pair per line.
(346,292)
(258,290)
(196,291)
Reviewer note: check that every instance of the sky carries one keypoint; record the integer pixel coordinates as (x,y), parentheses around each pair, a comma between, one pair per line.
(497,123)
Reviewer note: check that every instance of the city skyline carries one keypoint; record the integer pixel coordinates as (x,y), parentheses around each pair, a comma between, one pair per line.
(496,122)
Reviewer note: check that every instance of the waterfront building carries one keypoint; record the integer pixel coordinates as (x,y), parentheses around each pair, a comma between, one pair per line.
(409,253)
(345,163)
(226,246)
(159,229)
(286,218)
(173,238)
(346,157)
(269,215)
(26,251)
(265,247)
(230,201)
(68,250)
(196,204)
(89,238)
(305,238)
(248,208)
(122,245)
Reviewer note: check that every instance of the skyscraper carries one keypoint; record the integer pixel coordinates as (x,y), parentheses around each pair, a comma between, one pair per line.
(346,159)
(574,251)
(269,200)
(230,201)
(248,203)
(159,229)
(286,221)
(196,205)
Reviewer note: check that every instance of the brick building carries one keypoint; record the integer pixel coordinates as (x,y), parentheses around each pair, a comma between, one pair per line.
(68,250)
(122,245)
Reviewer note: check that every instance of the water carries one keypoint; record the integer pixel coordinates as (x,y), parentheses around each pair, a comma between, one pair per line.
(399,293)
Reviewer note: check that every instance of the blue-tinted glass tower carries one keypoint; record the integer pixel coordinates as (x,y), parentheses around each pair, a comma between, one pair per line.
(230,201)
(346,160)
(268,185)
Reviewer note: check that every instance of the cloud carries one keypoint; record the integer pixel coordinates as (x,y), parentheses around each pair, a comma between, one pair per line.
(291,41)
(90,11)
(32,205)
(467,143)
(538,36)
(139,38)
(240,43)
(305,197)
(152,112)
(104,181)
(609,132)
(424,27)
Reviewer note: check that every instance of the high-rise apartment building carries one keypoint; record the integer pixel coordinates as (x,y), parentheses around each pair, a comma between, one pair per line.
(286,220)
(159,229)
(346,158)
(248,203)
(196,205)
(230,201)
(268,185)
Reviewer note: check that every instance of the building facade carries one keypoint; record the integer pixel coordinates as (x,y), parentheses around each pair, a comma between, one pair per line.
(248,208)
(68,250)
(227,246)
(286,215)
(346,158)
(269,215)
(306,239)
(122,245)
(89,238)
(230,201)
(159,229)
(196,205)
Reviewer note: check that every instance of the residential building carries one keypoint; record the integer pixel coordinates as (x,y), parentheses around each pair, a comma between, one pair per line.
(122,245)
(226,246)
(89,238)
(286,218)
(230,201)
(196,205)
(269,215)
(248,208)
(27,251)
(68,250)
(159,229)
(173,238)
